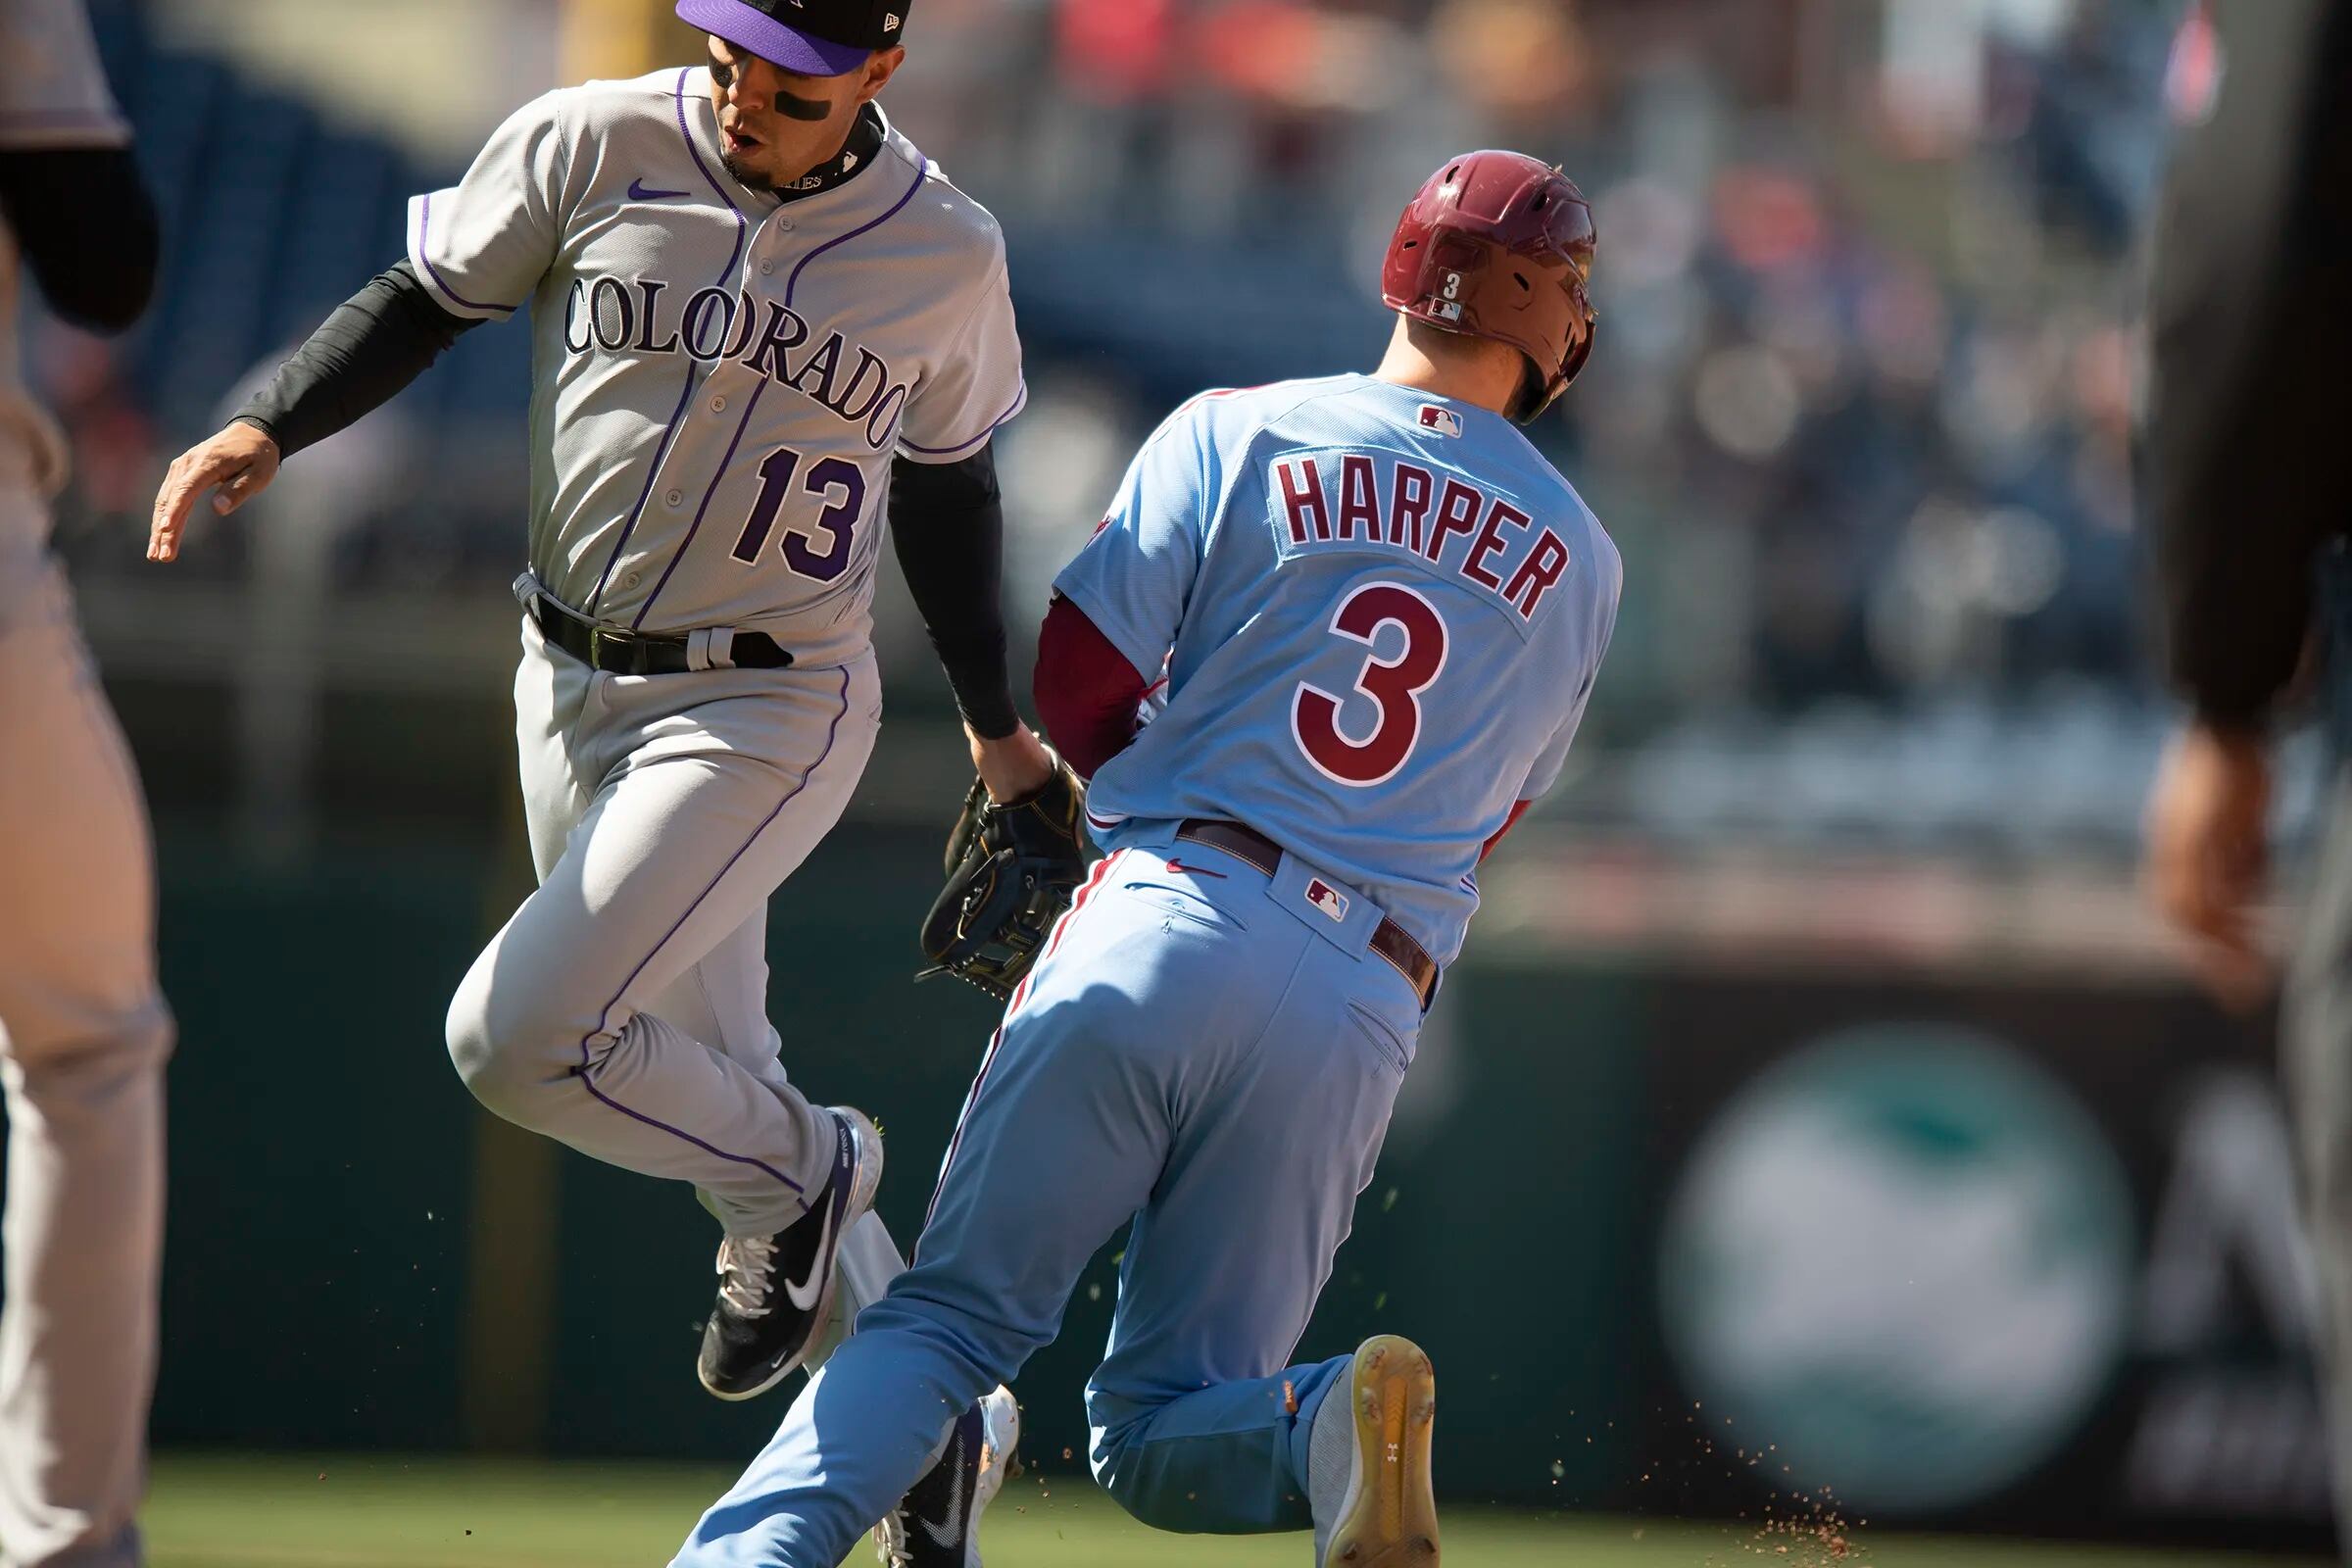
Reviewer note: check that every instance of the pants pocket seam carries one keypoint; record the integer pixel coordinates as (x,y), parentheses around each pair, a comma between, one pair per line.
(1383,1038)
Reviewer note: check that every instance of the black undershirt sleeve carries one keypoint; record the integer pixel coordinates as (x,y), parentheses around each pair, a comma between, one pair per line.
(85,224)
(376,342)
(948,521)
(2251,326)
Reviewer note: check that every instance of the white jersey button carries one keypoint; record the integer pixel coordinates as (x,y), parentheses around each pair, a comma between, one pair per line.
(766,267)
(632,579)
(718,405)
(675,498)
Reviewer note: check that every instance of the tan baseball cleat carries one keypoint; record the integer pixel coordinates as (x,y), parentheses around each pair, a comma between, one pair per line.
(1385,1516)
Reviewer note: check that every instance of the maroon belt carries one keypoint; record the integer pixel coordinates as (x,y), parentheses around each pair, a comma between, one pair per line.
(1390,940)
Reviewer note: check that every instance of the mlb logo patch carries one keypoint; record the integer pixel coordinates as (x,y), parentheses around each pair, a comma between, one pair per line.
(1330,899)
(1442,421)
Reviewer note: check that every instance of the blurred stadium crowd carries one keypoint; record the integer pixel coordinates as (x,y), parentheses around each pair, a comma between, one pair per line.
(1860,417)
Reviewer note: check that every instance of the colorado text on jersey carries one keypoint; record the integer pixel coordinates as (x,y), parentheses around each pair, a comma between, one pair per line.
(1391,501)
(714,324)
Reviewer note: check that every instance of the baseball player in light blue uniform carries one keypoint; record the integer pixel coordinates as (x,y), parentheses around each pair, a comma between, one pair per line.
(1364,614)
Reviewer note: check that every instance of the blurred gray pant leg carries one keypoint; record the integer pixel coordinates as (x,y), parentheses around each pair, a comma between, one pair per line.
(83,1036)
(2317,1025)
(2318,1030)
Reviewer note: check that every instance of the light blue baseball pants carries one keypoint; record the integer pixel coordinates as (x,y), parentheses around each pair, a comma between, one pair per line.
(1202,1049)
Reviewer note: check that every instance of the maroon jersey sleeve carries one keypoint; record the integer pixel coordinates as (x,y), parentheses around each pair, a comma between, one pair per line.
(1087,693)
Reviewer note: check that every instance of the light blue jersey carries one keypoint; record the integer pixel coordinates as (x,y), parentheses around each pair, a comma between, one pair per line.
(1378,613)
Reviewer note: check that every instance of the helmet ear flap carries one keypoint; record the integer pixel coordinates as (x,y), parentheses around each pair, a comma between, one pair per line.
(1578,354)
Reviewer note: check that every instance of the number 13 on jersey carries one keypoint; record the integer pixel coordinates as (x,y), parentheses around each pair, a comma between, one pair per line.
(1393,685)
(839,483)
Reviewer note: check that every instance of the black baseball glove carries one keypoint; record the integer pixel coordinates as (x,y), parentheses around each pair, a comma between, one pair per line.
(1011,871)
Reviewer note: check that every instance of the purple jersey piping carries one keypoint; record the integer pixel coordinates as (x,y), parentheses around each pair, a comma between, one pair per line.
(790,284)
(586,1071)
(669,432)
(793,281)
(725,464)
(994,426)
(425,230)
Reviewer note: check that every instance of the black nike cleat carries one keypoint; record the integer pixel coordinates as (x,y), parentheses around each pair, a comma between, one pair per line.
(937,1524)
(776,1291)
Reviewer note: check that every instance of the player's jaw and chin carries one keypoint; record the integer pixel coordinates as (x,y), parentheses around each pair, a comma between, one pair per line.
(776,126)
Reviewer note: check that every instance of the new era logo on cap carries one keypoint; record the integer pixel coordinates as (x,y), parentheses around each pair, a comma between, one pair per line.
(1330,899)
(814,38)
(1442,421)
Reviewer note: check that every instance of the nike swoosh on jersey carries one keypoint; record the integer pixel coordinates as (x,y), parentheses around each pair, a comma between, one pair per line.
(946,1534)
(804,1295)
(638,192)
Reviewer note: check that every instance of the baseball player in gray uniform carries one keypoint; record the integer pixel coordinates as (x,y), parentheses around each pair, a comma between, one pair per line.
(756,310)
(83,1031)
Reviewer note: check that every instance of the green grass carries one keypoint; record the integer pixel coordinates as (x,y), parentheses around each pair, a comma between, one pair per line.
(378,1512)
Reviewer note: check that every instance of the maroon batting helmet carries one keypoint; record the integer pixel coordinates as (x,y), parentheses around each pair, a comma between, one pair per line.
(1499,245)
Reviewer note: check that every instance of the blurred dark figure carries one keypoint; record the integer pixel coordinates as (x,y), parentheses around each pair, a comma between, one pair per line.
(2250,478)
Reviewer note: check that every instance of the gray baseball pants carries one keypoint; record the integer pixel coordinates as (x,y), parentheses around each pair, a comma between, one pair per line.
(83,1038)
(2317,1024)
(623,1008)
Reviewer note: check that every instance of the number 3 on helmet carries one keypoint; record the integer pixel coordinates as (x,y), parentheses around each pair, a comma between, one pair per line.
(1499,245)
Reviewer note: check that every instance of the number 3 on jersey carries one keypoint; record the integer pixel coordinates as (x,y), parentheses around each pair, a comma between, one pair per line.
(839,519)
(1395,686)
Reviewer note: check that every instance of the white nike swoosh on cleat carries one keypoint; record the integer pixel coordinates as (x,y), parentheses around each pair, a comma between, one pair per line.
(945,1539)
(804,1295)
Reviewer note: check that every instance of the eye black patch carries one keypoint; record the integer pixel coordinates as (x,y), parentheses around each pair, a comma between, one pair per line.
(795,108)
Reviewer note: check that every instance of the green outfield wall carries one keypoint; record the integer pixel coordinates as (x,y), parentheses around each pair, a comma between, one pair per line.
(1681,1238)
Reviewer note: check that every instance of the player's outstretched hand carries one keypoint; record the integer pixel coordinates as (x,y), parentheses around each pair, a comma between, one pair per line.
(239,463)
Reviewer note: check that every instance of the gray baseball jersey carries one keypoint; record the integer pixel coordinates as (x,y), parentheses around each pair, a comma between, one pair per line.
(720,382)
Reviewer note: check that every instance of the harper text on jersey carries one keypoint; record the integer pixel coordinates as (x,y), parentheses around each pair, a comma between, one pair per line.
(1391,501)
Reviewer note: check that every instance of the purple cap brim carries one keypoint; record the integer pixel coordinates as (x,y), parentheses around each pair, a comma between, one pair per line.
(763,35)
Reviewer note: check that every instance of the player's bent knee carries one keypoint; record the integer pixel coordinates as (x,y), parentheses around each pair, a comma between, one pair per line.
(1146,1504)
(1120,1470)
(91,1049)
(506,1061)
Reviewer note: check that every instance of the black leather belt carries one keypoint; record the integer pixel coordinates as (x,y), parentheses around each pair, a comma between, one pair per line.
(1390,940)
(633,652)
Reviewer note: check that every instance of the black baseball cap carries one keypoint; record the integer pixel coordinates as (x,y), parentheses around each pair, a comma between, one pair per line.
(810,37)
